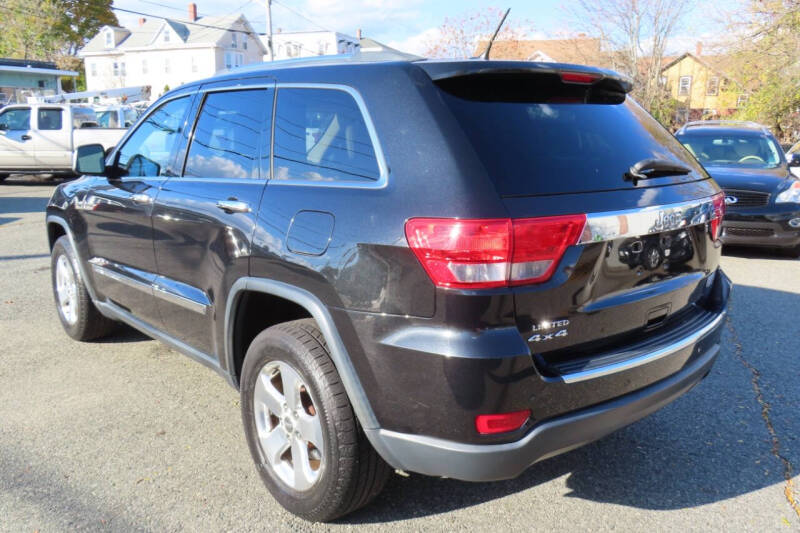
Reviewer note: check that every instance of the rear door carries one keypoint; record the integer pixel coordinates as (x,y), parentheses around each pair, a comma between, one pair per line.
(642,262)
(52,138)
(16,139)
(204,219)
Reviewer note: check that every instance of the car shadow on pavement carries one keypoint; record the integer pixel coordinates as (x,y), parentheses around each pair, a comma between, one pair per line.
(21,204)
(710,445)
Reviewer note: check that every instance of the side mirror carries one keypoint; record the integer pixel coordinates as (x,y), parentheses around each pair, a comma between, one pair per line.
(4,127)
(90,159)
(794,159)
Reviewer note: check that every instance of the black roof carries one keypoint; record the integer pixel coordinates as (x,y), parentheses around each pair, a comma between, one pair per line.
(7,62)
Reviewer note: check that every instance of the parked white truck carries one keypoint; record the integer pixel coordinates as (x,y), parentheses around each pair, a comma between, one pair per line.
(41,138)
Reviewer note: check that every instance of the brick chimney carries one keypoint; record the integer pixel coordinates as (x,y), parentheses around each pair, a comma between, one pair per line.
(358,34)
(142,20)
(698,48)
(192,12)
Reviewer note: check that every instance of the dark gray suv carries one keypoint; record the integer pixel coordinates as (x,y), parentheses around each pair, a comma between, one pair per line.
(454,268)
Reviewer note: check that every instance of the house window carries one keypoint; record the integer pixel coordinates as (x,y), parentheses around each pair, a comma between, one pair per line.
(684,85)
(234,42)
(116,69)
(93,69)
(144,66)
(109,39)
(681,116)
(321,48)
(244,42)
(166,65)
(228,60)
(122,69)
(194,64)
(742,100)
(713,86)
(166,35)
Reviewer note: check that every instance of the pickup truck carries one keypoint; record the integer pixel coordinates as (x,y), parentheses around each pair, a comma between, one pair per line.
(41,138)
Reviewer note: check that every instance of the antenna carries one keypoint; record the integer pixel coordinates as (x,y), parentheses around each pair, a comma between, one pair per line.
(485,55)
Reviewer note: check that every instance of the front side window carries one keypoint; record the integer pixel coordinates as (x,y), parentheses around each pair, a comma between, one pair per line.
(321,135)
(16,119)
(147,151)
(732,150)
(107,119)
(225,141)
(684,85)
(50,119)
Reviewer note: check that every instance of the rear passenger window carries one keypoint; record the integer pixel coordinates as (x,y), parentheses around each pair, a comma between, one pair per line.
(320,135)
(225,142)
(49,119)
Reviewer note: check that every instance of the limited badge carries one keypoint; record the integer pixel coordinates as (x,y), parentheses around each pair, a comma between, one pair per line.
(549,330)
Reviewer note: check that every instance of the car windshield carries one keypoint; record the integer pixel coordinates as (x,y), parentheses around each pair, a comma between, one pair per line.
(732,150)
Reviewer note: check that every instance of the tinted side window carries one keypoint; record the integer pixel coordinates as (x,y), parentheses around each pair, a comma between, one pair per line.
(148,149)
(49,119)
(16,119)
(320,135)
(225,141)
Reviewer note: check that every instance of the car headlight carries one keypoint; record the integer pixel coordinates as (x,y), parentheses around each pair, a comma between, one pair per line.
(790,195)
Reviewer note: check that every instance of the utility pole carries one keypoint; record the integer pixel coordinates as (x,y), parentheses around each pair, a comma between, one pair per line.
(270,50)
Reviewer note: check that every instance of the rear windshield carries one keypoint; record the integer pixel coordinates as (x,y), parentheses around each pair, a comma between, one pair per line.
(733,150)
(553,144)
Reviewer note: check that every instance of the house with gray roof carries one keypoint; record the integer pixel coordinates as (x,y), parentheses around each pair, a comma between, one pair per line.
(167,53)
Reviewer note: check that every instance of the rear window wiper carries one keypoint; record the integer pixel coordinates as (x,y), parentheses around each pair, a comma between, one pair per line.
(654,168)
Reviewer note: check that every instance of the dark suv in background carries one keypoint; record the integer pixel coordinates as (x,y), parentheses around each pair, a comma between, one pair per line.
(761,194)
(455,268)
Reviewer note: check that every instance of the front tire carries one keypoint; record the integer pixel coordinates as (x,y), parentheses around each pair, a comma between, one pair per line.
(303,435)
(78,314)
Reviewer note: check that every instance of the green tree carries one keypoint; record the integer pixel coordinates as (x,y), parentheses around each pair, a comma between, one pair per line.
(768,63)
(50,29)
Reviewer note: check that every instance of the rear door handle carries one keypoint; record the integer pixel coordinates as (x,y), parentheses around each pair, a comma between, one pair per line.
(233,206)
(141,198)
(26,137)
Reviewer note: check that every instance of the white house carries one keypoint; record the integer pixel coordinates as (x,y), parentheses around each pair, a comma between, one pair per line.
(165,52)
(288,45)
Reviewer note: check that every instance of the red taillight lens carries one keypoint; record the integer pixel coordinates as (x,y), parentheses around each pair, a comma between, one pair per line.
(501,423)
(539,244)
(462,253)
(582,78)
(719,212)
(478,254)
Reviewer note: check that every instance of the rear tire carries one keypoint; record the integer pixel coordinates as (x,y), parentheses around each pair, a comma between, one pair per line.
(350,473)
(78,314)
(793,252)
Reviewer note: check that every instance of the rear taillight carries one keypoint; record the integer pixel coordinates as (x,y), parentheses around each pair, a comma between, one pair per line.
(479,254)
(719,212)
(502,422)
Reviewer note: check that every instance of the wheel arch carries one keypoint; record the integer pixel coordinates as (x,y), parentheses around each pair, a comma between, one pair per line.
(58,227)
(319,312)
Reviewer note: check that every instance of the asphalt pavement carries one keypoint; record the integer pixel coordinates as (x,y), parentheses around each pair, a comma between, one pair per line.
(125,434)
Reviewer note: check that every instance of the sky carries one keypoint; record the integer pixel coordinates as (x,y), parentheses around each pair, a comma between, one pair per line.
(403,24)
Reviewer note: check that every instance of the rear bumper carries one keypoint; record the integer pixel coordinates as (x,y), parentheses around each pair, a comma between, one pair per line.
(770,229)
(488,462)
(474,462)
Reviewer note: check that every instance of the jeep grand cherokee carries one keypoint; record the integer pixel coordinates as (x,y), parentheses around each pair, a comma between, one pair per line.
(454,268)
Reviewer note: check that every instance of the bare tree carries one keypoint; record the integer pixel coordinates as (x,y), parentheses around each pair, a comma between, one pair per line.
(462,36)
(635,34)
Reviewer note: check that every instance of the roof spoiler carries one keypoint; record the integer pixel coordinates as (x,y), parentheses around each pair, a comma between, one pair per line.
(610,80)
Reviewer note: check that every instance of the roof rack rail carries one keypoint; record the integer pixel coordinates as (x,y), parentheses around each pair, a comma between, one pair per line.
(723,122)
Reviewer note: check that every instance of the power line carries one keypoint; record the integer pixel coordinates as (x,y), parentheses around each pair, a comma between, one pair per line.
(140,13)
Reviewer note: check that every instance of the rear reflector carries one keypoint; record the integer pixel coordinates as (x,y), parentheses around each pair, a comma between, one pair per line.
(501,423)
(582,78)
(719,212)
(485,253)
